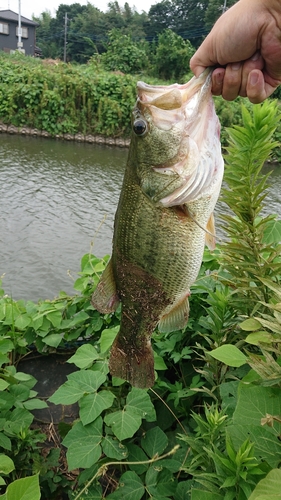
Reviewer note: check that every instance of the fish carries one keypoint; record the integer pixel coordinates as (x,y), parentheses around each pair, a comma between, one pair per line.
(163,220)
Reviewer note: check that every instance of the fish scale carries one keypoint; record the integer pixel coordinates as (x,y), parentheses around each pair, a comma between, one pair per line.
(163,220)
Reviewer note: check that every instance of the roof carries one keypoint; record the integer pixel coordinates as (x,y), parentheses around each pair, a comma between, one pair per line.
(9,15)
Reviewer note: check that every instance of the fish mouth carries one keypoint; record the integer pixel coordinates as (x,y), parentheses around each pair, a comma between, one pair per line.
(170,104)
(189,107)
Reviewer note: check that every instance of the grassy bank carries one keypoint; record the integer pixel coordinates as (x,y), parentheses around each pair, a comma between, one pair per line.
(65,100)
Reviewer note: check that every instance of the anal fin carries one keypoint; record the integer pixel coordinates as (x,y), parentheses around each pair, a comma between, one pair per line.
(175,317)
(105,298)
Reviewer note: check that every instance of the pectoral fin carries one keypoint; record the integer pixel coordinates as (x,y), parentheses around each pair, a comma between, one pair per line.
(176,316)
(210,238)
(105,298)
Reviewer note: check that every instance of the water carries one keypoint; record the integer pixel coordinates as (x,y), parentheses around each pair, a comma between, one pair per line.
(56,199)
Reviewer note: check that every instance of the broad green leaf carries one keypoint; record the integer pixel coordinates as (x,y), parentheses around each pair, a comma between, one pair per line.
(151,479)
(159,363)
(130,487)
(154,442)
(181,492)
(267,445)
(80,317)
(3,384)
(23,377)
(230,355)
(206,495)
(259,337)
(5,442)
(53,340)
(166,483)
(88,380)
(254,404)
(171,464)
(123,423)
(3,359)
(22,321)
(93,493)
(7,401)
(6,464)
(272,232)
(250,325)
(269,487)
(83,444)
(35,404)
(139,402)
(19,419)
(84,356)
(67,394)
(136,454)
(6,345)
(55,317)
(26,488)
(113,448)
(107,337)
(92,405)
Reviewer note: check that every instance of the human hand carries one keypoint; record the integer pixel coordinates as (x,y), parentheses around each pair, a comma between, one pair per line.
(245,48)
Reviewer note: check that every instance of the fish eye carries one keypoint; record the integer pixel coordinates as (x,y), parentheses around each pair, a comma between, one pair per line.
(140,127)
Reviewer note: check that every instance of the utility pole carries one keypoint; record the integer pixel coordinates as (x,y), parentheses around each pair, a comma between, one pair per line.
(19,29)
(65,36)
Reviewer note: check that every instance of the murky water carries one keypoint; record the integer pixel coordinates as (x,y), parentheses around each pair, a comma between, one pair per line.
(56,200)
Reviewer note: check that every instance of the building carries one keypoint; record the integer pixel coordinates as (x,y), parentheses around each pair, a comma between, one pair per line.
(9,33)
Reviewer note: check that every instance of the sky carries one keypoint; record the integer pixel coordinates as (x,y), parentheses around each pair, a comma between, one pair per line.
(29,7)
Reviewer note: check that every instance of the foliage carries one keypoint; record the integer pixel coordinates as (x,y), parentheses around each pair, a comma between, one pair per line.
(88,28)
(123,54)
(214,11)
(251,256)
(172,55)
(64,99)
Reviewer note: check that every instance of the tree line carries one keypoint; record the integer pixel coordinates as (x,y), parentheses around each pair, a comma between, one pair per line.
(90,32)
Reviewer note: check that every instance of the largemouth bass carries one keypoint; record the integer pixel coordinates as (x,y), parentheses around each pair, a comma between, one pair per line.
(163,220)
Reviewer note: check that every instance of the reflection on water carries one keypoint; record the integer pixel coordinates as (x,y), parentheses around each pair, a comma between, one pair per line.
(54,197)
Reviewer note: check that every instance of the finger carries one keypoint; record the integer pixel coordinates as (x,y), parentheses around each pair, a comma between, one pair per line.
(256,62)
(217,81)
(257,89)
(232,81)
(196,69)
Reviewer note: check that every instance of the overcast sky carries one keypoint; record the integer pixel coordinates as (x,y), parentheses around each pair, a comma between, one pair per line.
(29,7)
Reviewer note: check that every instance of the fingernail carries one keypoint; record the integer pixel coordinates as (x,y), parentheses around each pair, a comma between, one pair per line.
(253,78)
(236,66)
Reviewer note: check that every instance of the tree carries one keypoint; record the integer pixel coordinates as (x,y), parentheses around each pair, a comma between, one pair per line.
(214,11)
(184,17)
(160,17)
(123,54)
(172,56)
(44,38)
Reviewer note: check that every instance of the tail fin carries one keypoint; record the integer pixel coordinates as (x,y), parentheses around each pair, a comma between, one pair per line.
(131,363)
